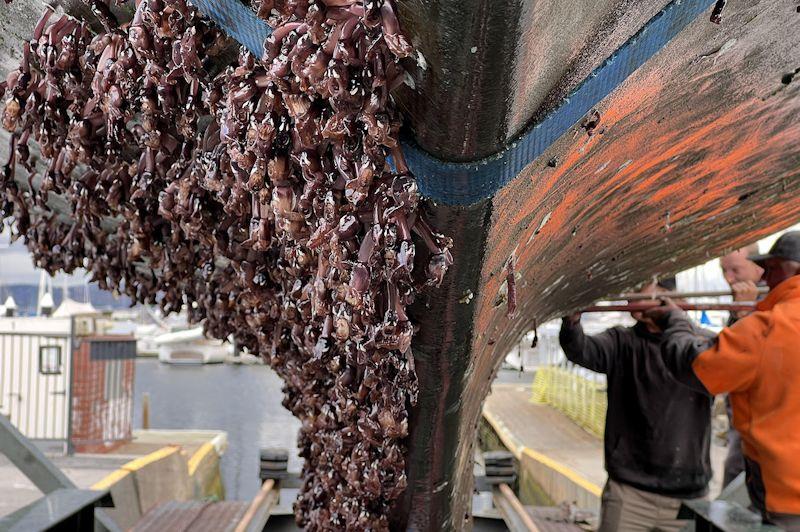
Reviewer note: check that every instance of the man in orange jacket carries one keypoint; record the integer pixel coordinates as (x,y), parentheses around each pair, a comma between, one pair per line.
(757,360)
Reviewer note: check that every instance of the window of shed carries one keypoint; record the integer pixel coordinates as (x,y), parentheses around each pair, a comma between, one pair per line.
(50,359)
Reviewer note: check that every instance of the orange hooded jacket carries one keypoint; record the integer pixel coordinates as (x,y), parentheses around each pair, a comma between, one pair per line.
(757,360)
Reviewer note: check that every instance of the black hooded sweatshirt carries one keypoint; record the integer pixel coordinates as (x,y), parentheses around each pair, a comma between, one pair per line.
(658,432)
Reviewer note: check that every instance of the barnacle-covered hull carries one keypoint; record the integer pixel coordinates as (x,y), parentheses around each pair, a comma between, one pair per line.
(698,151)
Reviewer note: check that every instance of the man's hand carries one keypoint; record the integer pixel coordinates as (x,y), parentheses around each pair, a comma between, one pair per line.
(744,291)
(659,314)
(572,319)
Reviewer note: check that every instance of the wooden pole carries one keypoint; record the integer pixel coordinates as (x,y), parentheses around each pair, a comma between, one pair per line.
(146,410)
(519,512)
(262,502)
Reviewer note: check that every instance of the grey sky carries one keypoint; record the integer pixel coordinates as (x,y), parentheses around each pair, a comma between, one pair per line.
(16,266)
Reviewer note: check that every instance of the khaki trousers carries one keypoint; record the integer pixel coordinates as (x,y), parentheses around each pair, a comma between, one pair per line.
(627,509)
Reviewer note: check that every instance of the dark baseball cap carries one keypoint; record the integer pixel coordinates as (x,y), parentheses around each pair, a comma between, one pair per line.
(668,283)
(787,247)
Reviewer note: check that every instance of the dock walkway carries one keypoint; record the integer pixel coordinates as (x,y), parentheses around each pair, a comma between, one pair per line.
(16,490)
(563,459)
(555,453)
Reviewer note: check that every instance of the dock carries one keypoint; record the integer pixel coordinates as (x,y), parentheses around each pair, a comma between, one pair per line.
(166,464)
(558,460)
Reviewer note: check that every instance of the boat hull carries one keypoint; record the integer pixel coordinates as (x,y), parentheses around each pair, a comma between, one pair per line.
(193,354)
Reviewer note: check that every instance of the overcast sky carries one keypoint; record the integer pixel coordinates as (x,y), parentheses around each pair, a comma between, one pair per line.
(16,266)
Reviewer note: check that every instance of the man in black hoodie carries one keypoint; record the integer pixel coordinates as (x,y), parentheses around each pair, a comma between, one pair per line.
(657,433)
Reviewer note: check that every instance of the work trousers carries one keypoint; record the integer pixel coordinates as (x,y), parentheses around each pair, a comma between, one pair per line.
(627,509)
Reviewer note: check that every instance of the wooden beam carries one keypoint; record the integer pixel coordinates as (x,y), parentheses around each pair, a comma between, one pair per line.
(257,513)
(514,513)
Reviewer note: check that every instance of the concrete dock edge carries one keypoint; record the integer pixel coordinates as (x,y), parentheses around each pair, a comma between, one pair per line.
(556,480)
(161,476)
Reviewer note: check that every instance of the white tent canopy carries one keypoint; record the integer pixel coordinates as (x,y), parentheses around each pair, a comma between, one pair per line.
(10,304)
(70,307)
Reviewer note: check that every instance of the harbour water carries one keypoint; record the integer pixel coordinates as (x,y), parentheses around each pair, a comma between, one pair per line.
(243,400)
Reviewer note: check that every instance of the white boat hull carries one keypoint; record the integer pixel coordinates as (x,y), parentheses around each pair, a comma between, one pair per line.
(193,354)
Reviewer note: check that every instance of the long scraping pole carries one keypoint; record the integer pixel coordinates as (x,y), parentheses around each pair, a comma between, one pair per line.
(679,295)
(735,307)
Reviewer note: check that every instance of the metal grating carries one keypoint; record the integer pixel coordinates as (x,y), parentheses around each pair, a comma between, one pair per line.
(112,350)
(192,516)
(113,388)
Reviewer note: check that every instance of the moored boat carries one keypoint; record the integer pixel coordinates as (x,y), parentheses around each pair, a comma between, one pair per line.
(190,346)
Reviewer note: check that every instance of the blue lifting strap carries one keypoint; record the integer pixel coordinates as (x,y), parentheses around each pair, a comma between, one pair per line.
(238,21)
(465,183)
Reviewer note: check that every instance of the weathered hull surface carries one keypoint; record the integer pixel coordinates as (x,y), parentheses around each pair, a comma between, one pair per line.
(491,67)
(697,152)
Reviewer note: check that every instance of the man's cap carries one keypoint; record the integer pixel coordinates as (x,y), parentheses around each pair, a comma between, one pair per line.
(668,283)
(787,247)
